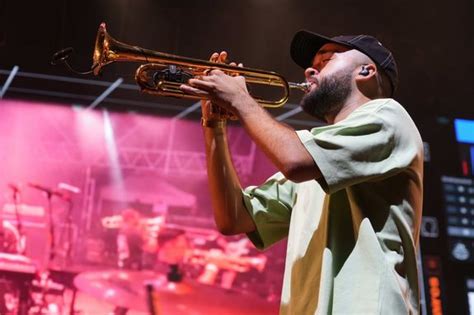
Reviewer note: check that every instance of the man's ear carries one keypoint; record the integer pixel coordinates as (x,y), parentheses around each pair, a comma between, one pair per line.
(367,71)
(366,80)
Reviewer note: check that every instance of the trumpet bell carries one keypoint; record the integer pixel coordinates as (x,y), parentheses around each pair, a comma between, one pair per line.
(100,51)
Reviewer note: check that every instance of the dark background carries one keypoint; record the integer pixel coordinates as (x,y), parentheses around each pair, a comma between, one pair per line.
(432,42)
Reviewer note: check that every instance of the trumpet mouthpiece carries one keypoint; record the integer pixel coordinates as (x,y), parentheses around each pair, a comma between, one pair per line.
(303,86)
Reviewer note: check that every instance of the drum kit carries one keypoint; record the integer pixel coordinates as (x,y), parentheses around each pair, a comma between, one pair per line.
(142,292)
(173,293)
(156,294)
(135,291)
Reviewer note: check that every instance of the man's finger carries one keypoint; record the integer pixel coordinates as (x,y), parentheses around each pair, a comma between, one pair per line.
(214,57)
(193,91)
(204,84)
(209,73)
(222,57)
(234,74)
(212,72)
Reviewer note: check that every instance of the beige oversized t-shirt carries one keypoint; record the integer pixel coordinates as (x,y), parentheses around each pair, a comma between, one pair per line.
(352,236)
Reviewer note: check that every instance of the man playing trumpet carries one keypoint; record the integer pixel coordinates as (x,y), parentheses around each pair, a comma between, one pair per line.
(348,195)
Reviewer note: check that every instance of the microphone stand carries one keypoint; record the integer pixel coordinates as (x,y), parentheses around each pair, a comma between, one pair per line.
(69,250)
(66,194)
(52,242)
(49,195)
(69,231)
(19,225)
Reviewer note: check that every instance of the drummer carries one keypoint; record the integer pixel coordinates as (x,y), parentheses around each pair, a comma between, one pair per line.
(130,240)
(129,245)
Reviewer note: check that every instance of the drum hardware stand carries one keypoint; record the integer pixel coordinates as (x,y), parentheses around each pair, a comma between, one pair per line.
(151,299)
(174,275)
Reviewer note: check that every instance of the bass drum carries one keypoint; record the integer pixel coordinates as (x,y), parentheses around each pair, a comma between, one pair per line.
(10,239)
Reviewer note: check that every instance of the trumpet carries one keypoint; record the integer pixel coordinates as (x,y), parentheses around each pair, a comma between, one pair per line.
(162,74)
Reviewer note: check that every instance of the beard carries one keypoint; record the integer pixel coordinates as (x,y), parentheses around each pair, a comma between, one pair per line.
(329,96)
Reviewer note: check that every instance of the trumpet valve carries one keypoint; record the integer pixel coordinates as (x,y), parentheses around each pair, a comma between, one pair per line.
(172,74)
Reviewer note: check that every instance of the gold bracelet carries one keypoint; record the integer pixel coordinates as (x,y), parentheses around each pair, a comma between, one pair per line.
(213,123)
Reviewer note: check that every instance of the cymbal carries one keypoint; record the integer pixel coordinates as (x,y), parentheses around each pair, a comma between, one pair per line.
(127,289)
(118,287)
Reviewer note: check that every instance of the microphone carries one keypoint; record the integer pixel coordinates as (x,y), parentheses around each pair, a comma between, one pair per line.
(69,188)
(49,191)
(40,187)
(61,56)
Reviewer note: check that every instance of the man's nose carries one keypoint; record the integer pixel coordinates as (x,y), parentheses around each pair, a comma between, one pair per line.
(309,72)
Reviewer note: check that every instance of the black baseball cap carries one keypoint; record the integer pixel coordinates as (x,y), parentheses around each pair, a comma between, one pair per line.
(306,44)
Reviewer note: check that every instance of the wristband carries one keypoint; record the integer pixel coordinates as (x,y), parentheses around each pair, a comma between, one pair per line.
(213,123)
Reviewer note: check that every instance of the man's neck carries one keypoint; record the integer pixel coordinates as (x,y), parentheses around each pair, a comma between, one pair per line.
(351,104)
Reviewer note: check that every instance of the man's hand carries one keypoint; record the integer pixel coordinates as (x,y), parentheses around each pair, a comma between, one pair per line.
(210,112)
(221,89)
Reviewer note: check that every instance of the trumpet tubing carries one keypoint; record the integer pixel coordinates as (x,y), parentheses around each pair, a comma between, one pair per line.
(162,74)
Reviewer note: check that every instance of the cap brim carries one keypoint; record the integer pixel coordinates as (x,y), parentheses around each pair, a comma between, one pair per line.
(305,45)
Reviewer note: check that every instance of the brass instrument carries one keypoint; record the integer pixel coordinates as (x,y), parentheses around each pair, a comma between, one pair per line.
(162,74)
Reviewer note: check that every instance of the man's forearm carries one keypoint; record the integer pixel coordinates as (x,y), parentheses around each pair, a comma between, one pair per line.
(226,192)
(279,142)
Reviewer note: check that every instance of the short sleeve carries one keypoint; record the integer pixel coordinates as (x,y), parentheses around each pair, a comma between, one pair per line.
(270,207)
(375,141)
